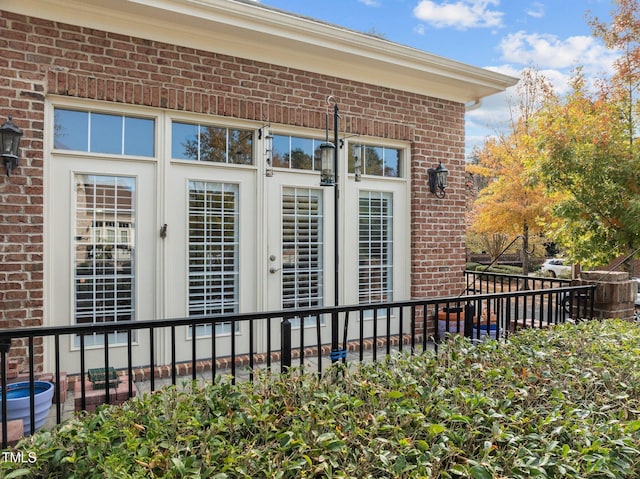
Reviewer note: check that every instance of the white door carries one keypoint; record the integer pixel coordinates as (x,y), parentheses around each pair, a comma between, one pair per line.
(210,255)
(298,250)
(103,254)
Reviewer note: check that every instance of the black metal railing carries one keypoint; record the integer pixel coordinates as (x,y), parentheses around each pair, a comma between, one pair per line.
(488,282)
(285,338)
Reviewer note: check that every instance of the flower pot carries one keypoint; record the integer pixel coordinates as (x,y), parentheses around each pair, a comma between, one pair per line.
(454,327)
(18,404)
(482,332)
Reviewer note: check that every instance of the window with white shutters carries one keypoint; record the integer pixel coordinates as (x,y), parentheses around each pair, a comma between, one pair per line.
(302,248)
(375,247)
(213,251)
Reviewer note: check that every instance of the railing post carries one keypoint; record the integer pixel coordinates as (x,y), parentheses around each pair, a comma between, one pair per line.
(335,338)
(469,314)
(285,349)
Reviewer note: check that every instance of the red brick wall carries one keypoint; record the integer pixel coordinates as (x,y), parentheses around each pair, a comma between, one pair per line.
(40,58)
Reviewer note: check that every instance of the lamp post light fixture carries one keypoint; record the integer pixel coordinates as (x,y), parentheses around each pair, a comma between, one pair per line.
(327,172)
(328,150)
(438,180)
(9,143)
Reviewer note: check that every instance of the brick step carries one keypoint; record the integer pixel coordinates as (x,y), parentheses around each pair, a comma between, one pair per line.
(15,431)
(95,397)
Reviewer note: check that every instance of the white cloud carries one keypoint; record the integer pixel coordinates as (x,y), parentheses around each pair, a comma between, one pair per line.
(461,14)
(559,79)
(492,116)
(370,3)
(548,51)
(536,10)
(505,69)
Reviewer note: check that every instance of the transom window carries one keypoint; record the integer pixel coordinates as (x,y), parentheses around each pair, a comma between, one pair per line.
(103,133)
(376,161)
(296,152)
(211,143)
(375,247)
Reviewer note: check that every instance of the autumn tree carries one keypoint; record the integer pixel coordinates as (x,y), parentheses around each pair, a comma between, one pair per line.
(589,161)
(493,244)
(589,153)
(513,202)
(622,35)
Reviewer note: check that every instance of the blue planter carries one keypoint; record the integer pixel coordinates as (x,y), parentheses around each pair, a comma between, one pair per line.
(18,404)
(492,332)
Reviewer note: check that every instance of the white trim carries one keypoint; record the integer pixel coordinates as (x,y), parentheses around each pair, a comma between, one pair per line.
(253,31)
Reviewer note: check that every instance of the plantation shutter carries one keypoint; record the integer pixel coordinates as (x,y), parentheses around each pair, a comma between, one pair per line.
(302,248)
(104,279)
(375,247)
(213,249)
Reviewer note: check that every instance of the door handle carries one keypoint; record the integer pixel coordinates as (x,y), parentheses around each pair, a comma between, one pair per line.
(274,270)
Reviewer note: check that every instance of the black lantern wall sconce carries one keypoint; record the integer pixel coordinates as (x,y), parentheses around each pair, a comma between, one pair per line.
(9,143)
(438,180)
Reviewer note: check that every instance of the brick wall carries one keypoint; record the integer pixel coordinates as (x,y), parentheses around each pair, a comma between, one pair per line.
(42,58)
(22,89)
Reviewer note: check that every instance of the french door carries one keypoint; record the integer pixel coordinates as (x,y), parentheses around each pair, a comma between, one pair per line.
(104,253)
(210,255)
(297,248)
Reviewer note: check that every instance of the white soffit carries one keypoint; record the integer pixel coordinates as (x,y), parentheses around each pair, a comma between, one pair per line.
(246,29)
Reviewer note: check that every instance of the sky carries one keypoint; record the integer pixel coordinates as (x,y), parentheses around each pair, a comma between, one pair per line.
(505,36)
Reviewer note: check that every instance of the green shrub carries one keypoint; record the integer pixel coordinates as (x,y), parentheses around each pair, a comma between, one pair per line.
(496,268)
(564,402)
(474,266)
(506,269)
(535,264)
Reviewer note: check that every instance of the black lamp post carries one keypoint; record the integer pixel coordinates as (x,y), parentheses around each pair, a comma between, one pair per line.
(329,177)
(9,143)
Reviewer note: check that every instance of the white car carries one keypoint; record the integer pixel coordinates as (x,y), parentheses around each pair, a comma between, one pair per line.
(556,267)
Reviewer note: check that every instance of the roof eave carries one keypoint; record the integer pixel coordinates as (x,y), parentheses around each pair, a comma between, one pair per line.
(246,30)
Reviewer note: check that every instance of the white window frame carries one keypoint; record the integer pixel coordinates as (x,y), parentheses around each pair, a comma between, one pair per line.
(400,190)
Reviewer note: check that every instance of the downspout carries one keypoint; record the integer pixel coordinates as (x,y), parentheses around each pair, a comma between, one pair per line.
(473,106)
